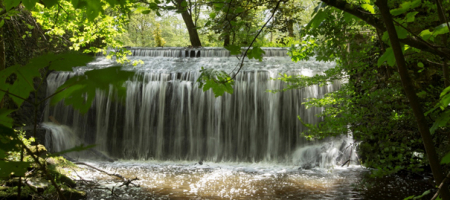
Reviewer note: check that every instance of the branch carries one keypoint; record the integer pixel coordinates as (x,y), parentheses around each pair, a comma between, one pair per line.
(7,92)
(377,23)
(440,186)
(126,181)
(254,39)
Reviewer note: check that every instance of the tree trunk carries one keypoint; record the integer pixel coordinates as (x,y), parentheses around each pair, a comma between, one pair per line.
(413,99)
(444,38)
(2,56)
(226,41)
(290,28)
(187,18)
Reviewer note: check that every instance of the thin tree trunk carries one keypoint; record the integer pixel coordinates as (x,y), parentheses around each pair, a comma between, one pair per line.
(413,99)
(187,18)
(2,56)
(444,38)
(226,41)
(290,28)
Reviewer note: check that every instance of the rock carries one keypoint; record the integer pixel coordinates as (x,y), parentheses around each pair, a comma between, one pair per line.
(73,194)
(306,166)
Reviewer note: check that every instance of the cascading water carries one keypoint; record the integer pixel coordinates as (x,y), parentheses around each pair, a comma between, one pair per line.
(167,117)
(249,141)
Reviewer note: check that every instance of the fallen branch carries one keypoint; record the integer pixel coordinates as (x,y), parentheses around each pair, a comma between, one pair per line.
(126,182)
(116,175)
(440,186)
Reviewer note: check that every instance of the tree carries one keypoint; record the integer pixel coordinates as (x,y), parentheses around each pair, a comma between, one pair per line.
(159,41)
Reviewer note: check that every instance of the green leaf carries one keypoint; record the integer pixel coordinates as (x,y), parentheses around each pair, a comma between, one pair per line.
(10,4)
(93,9)
(318,18)
(80,91)
(388,56)
(184,4)
(51,3)
(23,84)
(405,6)
(410,17)
(401,32)
(146,12)
(218,6)
(441,29)
(446,159)
(385,37)
(9,168)
(212,15)
(368,7)
(61,62)
(239,10)
(349,17)
(420,64)
(441,121)
(29,4)
(256,53)
(234,49)
(2,23)
(4,119)
(77,149)
(153,6)
(8,139)
(427,35)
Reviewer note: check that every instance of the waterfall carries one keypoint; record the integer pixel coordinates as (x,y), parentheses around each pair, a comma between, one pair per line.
(166,116)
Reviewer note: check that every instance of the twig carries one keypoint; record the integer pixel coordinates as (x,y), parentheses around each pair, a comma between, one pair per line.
(440,186)
(254,39)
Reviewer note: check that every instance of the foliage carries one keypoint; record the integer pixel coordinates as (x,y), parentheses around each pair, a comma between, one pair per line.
(219,81)
(159,41)
(372,104)
(78,91)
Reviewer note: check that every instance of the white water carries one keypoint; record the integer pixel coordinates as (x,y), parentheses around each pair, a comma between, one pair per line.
(167,117)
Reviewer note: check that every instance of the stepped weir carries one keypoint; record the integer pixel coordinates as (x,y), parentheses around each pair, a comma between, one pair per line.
(167,117)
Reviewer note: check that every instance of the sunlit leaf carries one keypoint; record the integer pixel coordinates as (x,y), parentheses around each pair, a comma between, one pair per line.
(368,7)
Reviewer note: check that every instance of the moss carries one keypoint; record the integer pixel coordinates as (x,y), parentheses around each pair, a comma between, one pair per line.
(11,193)
(60,162)
(40,147)
(73,194)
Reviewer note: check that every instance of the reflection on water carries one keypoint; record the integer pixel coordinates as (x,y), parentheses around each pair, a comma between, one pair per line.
(231,181)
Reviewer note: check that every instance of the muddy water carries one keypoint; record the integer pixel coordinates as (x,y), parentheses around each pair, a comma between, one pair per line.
(187,180)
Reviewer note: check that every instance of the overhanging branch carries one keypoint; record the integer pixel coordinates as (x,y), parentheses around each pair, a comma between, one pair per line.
(370,19)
